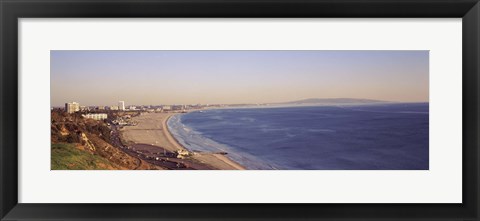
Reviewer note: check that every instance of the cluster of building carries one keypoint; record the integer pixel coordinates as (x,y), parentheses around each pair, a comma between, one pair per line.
(98,112)
(75,107)
(125,120)
(171,108)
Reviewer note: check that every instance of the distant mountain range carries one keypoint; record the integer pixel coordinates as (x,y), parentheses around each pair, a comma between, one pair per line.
(334,101)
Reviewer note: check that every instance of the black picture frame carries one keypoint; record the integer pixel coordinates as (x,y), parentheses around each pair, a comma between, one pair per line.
(12,10)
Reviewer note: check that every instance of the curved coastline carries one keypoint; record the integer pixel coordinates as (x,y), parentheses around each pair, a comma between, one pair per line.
(169,135)
(152,128)
(195,141)
(308,138)
(201,156)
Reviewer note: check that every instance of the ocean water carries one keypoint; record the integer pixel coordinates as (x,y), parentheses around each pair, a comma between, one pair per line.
(354,137)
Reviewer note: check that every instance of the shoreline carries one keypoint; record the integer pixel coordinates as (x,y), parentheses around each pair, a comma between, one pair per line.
(152,129)
(169,135)
(220,157)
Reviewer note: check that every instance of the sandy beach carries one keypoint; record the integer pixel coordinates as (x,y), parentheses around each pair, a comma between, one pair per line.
(152,130)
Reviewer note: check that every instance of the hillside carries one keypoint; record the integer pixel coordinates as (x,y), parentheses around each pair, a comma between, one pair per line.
(85,144)
(69,157)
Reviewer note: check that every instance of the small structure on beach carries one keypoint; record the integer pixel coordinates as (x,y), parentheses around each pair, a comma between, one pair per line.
(182,154)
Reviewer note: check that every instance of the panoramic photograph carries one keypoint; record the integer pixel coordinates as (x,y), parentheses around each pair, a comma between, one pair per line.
(239,110)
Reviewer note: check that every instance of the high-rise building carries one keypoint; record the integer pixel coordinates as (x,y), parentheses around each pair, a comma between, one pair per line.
(121,105)
(72,107)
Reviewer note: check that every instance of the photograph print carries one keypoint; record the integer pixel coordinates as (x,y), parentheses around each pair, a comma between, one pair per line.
(239,110)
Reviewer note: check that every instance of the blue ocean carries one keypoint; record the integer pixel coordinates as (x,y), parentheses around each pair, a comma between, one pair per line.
(393,136)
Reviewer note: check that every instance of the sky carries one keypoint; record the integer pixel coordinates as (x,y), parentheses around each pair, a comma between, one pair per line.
(95,78)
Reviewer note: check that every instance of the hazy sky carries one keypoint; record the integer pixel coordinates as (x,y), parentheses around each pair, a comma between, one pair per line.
(208,77)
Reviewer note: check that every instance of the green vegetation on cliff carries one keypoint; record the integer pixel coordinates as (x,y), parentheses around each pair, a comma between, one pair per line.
(67,157)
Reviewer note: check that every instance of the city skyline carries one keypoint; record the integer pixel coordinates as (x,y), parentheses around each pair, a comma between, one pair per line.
(104,78)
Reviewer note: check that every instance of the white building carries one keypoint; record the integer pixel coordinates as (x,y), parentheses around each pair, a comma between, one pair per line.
(96,116)
(113,108)
(167,108)
(72,107)
(121,105)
